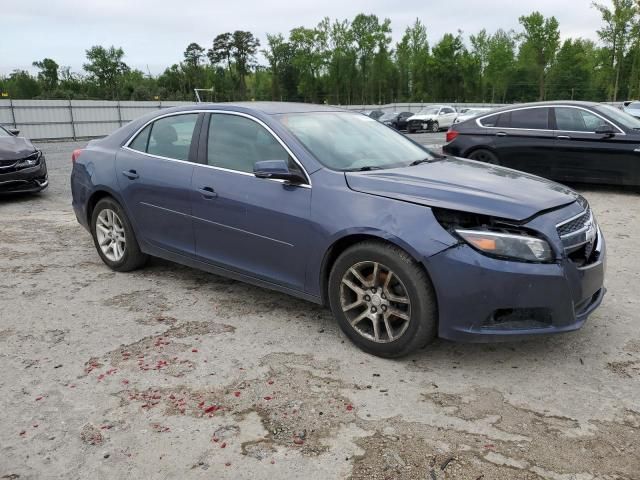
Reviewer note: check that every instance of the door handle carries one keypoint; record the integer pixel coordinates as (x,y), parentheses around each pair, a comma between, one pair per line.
(130,174)
(501,134)
(563,137)
(208,192)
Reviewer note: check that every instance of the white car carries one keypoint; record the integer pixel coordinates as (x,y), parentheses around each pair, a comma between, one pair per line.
(632,108)
(470,113)
(432,119)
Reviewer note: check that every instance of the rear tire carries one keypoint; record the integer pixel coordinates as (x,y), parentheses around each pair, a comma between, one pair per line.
(114,238)
(388,310)
(484,155)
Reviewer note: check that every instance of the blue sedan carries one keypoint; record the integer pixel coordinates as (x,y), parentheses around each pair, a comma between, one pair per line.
(333,207)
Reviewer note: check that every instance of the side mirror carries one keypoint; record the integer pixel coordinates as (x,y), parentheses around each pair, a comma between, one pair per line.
(13,131)
(606,130)
(276,169)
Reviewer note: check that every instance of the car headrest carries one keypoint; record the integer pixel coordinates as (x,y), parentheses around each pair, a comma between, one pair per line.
(164,134)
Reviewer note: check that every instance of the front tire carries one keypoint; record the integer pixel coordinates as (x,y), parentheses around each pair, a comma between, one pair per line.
(434,127)
(114,238)
(382,299)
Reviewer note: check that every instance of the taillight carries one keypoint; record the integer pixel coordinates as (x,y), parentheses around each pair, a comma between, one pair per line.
(75,155)
(451,135)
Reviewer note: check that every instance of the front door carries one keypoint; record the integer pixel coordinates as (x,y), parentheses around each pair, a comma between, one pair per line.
(583,155)
(258,227)
(154,174)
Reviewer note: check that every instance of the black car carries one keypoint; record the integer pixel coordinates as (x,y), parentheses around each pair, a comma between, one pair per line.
(397,120)
(22,166)
(565,141)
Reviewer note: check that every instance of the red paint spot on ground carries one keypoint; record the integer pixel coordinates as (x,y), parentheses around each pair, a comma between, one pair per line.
(349,407)
(39,398)
(194,350)
(223,445)
(237,394)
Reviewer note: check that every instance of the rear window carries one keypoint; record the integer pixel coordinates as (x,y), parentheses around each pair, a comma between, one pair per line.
(530,118)
(497,120)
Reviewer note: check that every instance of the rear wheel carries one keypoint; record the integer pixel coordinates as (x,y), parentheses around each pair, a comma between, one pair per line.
(114,238)
(486,156)
(382,299)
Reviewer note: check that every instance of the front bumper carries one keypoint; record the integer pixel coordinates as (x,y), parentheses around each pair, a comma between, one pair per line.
(32,179)
(481,299)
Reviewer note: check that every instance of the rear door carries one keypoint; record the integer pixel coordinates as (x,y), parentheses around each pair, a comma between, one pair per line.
(583,155)
(523,139)
(154,174)
(255,226)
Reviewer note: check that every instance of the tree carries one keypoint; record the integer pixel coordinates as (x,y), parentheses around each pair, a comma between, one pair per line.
(48,74)
(500,64)
(412,57)
(193,54)
(571,77)
(369,35)
(616,34)
(106,67)
(243,50)
(541,39)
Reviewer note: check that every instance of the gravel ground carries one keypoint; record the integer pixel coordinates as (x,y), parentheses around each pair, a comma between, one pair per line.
(169,372)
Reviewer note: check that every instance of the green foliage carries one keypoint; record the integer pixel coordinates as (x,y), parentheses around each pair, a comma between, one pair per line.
(355,62)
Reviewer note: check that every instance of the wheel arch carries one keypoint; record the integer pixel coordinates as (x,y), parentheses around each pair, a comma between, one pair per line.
(475,148)
(346,241)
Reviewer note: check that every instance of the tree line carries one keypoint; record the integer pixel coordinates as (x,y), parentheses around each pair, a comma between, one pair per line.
(354,62)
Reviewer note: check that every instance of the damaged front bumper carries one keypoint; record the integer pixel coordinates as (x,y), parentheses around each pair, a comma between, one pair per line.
(25,180)
(482,299)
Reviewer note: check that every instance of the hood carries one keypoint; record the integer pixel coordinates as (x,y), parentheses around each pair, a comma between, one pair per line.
(422,117)
(15,148)
(465,185)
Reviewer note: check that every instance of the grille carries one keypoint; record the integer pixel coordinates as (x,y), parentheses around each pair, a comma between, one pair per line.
(579,237)
(575,224)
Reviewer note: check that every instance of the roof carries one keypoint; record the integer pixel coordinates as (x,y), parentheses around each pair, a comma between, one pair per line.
(273,108)
(568,103)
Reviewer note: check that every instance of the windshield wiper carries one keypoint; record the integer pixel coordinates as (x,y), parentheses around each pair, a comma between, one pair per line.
(366,168)
(418,162)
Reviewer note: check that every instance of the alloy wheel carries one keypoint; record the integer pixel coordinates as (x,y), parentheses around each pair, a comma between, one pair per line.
(110,235)
(375,302)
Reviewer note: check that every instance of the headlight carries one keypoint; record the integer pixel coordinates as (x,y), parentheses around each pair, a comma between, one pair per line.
(520,247)
(30,161)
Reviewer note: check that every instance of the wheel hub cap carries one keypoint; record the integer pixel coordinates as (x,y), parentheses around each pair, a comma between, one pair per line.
(110,235)
(375,302)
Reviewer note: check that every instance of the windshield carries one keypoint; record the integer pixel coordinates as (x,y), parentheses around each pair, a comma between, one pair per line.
(429,111)
(4,133)
(346,141)
(634,105)
(474,111)
(620,117)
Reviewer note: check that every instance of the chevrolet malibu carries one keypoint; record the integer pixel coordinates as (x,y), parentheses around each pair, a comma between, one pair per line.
(333,207)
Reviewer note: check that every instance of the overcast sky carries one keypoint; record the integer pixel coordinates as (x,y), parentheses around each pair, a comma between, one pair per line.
(154,33)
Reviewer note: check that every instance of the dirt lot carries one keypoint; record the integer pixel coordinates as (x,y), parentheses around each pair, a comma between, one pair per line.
(169,372)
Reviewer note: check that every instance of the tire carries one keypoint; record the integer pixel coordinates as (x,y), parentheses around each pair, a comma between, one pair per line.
(434,127)
(128,256)
(409,130)
(484,155)
(407,281)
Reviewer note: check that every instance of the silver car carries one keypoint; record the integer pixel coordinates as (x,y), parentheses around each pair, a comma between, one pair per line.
(632,108)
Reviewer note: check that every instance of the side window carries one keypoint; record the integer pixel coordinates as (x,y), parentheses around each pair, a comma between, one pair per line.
(496,120)
(448,110)
(142,140)
(530,118)
(577,120)
(171,136)
(237,143)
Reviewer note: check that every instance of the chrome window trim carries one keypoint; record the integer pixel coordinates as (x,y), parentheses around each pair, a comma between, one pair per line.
(478,120)
(239,114)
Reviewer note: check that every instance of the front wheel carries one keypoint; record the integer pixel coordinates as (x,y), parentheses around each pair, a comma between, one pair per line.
(382,299)
(114,238)
(434,127)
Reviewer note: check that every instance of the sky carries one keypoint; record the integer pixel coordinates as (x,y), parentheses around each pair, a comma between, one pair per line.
(155,33)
